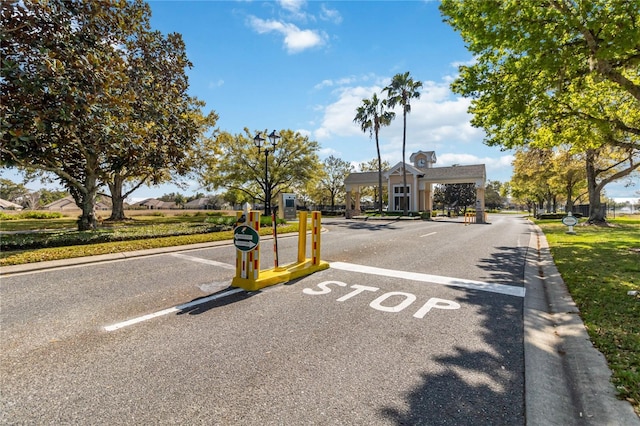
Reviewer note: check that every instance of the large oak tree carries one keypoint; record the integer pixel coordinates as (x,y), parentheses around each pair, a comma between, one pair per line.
(234,163)
(553,65)
(91,95)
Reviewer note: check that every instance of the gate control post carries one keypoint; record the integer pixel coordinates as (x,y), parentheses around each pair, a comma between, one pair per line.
(254,279)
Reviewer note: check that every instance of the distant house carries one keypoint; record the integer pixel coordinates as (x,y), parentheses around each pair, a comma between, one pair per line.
(153,204)
(204,203)
(8,205)
(68,203)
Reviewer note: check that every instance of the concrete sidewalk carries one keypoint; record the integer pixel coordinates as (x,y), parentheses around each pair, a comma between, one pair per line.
(566,378)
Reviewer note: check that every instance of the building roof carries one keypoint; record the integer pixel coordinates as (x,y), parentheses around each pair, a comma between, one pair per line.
(474,173)
(397,169)
(8,205)
(362,178)
(68,203)
(198,203)
(455,174)
(63,203)
(157,204)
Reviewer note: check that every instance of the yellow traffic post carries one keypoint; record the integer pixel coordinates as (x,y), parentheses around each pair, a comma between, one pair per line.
(302,236)
(248,274)
(469,218)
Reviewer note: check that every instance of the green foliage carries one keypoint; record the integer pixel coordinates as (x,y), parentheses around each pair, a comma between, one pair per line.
(49,196)
(457,196)
(30,215)
(600,265)
(492,197)
(547,216)
(6,216)
(236,164)
(93,96)
(335,171)
(40,215)
(578,60)
(11,191)
(221,220)
(546,74)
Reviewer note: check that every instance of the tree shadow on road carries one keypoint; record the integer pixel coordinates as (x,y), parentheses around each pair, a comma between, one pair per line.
(219,300)
(473,384)
(362,225)
(505,266)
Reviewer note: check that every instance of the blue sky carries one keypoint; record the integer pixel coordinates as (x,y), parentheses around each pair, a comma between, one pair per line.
(307,65)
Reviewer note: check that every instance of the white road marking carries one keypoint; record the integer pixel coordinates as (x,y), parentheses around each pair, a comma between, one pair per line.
(206,261)
(431,279)
(426,235)
(171,310)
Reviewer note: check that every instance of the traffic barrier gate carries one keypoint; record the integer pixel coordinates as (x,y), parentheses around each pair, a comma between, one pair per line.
(248,274)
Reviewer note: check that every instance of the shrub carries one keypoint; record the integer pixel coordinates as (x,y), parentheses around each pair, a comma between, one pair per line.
(31,215)
(555,215)
(4,216)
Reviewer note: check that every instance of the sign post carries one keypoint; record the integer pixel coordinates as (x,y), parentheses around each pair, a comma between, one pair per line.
(246,239)
(570,220)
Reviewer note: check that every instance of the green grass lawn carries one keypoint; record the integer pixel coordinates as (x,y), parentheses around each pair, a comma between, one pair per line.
(56,238)
(600,265)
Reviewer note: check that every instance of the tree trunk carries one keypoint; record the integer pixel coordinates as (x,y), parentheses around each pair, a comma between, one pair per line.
(86,200)
(379,176)
(596,215)
(404,169)
(117,201)
(569,189)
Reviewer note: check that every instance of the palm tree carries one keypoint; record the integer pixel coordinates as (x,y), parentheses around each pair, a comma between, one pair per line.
(401,90)
(371,115)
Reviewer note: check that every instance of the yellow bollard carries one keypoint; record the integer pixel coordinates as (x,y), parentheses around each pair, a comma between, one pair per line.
(248,273)
(469,218)
(302,236)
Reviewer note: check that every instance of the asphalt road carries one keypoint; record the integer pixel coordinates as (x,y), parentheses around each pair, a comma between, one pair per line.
(414,323)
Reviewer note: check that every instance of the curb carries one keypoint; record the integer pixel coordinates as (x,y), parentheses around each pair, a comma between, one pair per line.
(50,264)
(567,380)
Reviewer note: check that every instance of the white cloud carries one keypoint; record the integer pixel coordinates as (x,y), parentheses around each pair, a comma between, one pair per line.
(438,121)
(331,15)
(325,152)
(214,84)
(295,39)
(436,118)
(498,168)
(338,116)
(293,6)
(339,82)
(468,63)
(304,132)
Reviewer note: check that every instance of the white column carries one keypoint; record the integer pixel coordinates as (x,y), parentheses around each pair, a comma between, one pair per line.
(414,194)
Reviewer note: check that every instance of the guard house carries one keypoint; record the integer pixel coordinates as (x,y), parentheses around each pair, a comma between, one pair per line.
(421,175)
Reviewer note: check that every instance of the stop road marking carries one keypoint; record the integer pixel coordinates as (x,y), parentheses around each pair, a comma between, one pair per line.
(379,303)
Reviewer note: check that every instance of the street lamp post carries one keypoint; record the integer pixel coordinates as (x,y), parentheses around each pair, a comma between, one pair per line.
(258,140)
